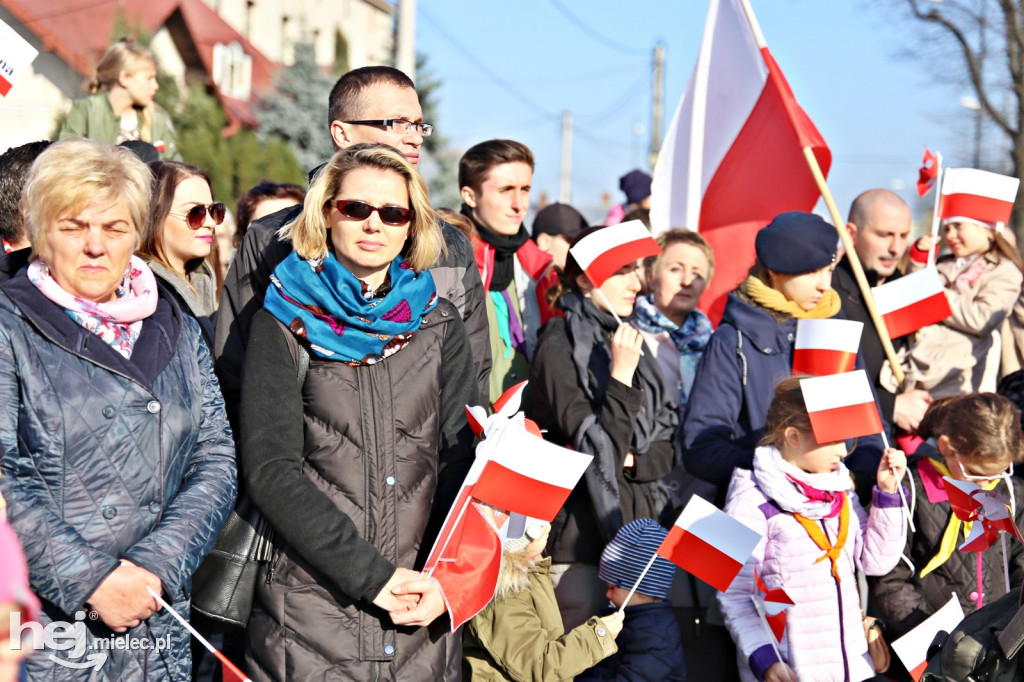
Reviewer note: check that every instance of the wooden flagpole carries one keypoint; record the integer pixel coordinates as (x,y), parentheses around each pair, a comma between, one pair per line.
(858,270)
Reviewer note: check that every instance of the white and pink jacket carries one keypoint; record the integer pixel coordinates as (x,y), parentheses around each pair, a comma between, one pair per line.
(824,637)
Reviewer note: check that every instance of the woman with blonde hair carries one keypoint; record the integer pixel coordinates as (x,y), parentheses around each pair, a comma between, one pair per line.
(353,435)
(118,466)
(120,104)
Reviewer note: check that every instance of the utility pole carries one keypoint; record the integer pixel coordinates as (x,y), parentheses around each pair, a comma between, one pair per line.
(565,177)
(657,101)
(405,38)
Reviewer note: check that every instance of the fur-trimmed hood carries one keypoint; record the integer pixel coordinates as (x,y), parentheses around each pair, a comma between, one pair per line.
(514,576)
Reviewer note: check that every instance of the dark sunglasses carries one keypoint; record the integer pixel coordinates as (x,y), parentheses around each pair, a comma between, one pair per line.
(196,216)
(360,210)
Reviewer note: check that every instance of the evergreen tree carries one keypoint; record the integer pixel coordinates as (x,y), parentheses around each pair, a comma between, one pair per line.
(298,111)
(443,180)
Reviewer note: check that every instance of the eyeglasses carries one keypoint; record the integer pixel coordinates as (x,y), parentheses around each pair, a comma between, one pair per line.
(196,216)
(971,477)
(399,126)
(360,210)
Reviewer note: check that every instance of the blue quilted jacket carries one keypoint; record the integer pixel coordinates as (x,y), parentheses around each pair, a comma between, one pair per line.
(107,458)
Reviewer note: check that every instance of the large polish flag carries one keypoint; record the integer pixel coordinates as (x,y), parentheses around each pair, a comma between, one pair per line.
(825,347)
(733,158)
(977,195)
(911,302)
(841,406)
(601,253)
(912,648)
(709,543)
(527,475)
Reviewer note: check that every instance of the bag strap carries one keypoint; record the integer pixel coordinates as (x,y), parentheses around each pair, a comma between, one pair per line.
(1011,639)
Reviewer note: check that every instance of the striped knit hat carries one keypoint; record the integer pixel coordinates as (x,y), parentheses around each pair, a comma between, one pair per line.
(623,560)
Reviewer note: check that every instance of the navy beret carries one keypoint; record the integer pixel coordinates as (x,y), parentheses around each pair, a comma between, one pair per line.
(796,242)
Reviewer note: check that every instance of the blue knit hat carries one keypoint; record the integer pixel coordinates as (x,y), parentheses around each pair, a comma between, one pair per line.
(623,560)
(636,185)
(796,242)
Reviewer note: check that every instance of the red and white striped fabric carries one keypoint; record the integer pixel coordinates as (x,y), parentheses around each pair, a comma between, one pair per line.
(826,347)
(912,648)
(977,195)
(732,157)
(774,602)
(841,406)
(527,475)
(601,253)
(709,543)
(911,302)
(16,55)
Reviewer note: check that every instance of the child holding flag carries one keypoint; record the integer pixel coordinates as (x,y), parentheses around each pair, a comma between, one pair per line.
(799,497)
(976,437)
(982,279)
(649,645)
(519,636)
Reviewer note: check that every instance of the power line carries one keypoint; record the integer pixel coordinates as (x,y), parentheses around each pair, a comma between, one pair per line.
(495,78)
(619,105)
(607,42)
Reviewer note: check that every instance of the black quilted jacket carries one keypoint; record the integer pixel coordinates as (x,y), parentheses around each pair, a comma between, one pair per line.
(107,458)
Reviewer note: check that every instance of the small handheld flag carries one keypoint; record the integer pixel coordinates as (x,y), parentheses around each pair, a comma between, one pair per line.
(601,253)
(709,543)
(929,171)
(826,347)
(912,648)
(912,302)
(977,195)
(841,406)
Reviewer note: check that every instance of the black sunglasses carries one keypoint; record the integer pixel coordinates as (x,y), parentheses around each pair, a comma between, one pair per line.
(196,216)
(360,210)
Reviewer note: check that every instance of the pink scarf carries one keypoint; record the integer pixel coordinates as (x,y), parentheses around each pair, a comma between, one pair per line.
(117,322)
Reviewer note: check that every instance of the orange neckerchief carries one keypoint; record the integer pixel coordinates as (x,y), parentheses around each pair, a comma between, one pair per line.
(816,534)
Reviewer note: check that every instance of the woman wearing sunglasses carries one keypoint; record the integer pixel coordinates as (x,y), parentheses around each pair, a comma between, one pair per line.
(975,437)
(179,236)
(353,434)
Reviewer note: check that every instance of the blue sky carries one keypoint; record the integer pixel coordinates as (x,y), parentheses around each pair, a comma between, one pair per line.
(509,69)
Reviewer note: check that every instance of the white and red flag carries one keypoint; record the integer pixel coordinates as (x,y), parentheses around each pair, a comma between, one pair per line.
(911,302)
(929,171)
(709,543)
(912,648)
(977,195)
(733,155)
(773,603)
(466,556)
(505,407)
(16,56)
(826,347)
(988,514)
(603,252)
(526,474)
(841,406)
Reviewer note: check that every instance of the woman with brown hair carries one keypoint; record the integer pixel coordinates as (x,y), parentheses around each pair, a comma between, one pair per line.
(179,235)
(120,104)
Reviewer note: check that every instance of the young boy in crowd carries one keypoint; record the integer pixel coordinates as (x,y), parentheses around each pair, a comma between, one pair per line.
(650,644)
(519,636)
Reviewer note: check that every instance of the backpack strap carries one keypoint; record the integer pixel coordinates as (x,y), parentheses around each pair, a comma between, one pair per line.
(1011,639)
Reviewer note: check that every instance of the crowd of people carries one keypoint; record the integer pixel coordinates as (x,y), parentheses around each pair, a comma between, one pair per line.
(314,365)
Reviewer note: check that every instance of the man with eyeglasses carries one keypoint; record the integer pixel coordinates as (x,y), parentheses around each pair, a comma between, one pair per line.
(376,105)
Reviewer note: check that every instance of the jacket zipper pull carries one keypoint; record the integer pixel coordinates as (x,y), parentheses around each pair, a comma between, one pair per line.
(270,573)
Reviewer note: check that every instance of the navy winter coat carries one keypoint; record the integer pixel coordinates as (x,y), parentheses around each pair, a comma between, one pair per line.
(650,648)
(107,458)
(747,356)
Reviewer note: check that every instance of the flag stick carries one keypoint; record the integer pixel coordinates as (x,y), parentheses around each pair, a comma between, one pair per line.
(610,308)
(935,215)
(1006,563)
(899,488)
(638,581)
(428,569)
(195,633)
(858,271)
(759,607)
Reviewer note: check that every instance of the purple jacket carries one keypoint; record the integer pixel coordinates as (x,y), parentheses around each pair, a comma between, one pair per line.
(824,637)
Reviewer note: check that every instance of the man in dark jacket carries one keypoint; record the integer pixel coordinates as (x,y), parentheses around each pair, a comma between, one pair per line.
(14,167)
(879,224)
(376,104)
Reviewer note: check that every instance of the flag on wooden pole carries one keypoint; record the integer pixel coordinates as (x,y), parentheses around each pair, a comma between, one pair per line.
(737,125)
